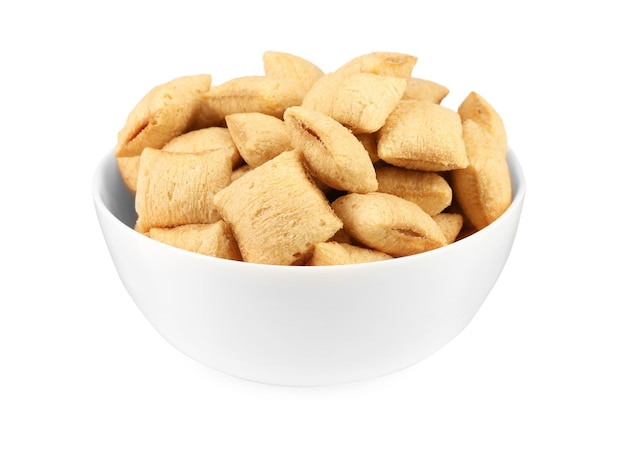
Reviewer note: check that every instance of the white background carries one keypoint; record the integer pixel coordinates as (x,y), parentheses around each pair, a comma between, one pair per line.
(540,369)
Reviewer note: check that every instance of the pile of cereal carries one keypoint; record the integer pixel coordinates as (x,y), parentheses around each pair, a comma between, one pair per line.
(302,167)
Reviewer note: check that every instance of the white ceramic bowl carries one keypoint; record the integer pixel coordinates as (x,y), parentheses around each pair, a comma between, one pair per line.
(304,326)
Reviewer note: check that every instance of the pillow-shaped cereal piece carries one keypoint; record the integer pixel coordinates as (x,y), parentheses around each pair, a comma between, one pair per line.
(165,112)
(203,140)
(424,90)
(333,253)
(240,171)
(178,188)
(429,190)
(265,94)
(388,223)
(359,101)
(291,67)
(475,107)
(259,137)
(332,153)
(450,224)
(199,141)
(368,139)
(383,63)
(214,239)
(129,168)
(483,189)
(276,213)
(340,237)
(421,135)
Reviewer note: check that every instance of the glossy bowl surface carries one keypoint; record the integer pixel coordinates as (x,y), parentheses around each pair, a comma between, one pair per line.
(304,326)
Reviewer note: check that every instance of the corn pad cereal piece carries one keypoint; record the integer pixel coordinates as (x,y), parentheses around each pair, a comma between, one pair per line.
(214,239)
(265,94)
(483,189)
(359,101)
(368,140)
(334,253)
(332,153)
(429,190)
(421,135)
(341,237)
(129,168)
(163,113)
(198,141)
(258,137)
(291,67)
(276,213)
(177,188)
(394,64)
(475,107)
(215,138)
(450,224)
(388,223)
(425,90)
(240,171)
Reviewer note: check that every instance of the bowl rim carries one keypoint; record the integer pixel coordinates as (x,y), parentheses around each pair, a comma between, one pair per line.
(519,188)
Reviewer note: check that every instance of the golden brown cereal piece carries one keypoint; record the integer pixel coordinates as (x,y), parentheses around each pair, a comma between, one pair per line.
(177,188)
(259,137)
(424,90)
(291,67)
(341,237)
(429,190)
(332,153)
(382,63)
(475,107)
(240,171)
(214,239)
(369,142)
(482,190)
(203,140)
(129,168)
(450,224)
(276,213)
(265,94)
(421,135)
(333,253)
(359,101)
(388,223)
(199,141)
(165,112)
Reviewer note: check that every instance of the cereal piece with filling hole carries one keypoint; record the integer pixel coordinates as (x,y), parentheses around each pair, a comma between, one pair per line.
(421,135)
(332,153)
(165,112)
(388,223)
(276,213)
